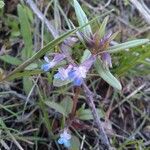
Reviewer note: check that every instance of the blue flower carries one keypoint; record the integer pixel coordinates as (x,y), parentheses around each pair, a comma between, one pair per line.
(76,74)
(50,64)
(65,138)
(62,73)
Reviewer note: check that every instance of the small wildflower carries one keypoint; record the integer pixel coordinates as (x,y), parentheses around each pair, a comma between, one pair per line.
(63,73)
(99,46)
(50,64)
(65,138)
(77,74)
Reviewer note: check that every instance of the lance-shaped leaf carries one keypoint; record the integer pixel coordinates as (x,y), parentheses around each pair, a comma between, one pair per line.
(103,27)
(82,19)
(59,82)
(106,75)
(41,52)
(57,107)
(127,45)
(10,59)
(86,55)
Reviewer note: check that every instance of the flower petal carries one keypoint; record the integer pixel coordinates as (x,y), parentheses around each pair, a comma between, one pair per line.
(72,74)
(61,141)
(77,81)
(46,59)
(46,67)
(106,58)
(89,62)
(58,58)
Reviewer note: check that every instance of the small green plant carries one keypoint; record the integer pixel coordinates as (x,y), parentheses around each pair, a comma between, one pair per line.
(60,69)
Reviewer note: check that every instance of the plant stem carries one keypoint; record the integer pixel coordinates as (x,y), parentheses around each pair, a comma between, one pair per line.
(75,100)
(102,135)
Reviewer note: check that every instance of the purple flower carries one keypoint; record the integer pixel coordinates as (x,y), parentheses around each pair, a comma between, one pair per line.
(65,138)
(76,74)
(62,73)
(99,45)
(106,58)
(50,64)
(105,38)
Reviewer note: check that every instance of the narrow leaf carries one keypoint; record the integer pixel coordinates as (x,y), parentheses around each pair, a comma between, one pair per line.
(59,83)
(103,27)
(86,55)
(106,75)
(127,45)
(82,19)
(86,114)
(11,60)
(41,52)
(25,32)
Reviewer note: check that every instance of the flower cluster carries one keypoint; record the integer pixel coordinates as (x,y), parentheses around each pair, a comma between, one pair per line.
(50,64)
(65,138)
(74,73)
(99,46)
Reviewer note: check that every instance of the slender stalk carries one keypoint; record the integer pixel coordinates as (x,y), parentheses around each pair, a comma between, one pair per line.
(102,135)
(75,100)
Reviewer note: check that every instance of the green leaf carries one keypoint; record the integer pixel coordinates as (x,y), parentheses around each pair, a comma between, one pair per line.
(11,60)
(57,107)
(75,143)
(82,19)
(2,4)
(32,66)
(86,55)
(41,52)
(27,84)
(86,114)
(26,73)
(67,104)
(27,52)
(59,83)
(127,45)
(25,32)
(106,75)
(103,27)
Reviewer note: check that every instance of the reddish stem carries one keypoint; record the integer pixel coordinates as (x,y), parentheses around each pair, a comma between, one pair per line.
(75,100)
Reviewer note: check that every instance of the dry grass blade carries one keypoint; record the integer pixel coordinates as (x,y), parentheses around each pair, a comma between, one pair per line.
(142,10)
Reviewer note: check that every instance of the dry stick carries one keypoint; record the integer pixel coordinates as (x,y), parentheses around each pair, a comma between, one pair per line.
(142,10)
(42,18)
(102,134)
